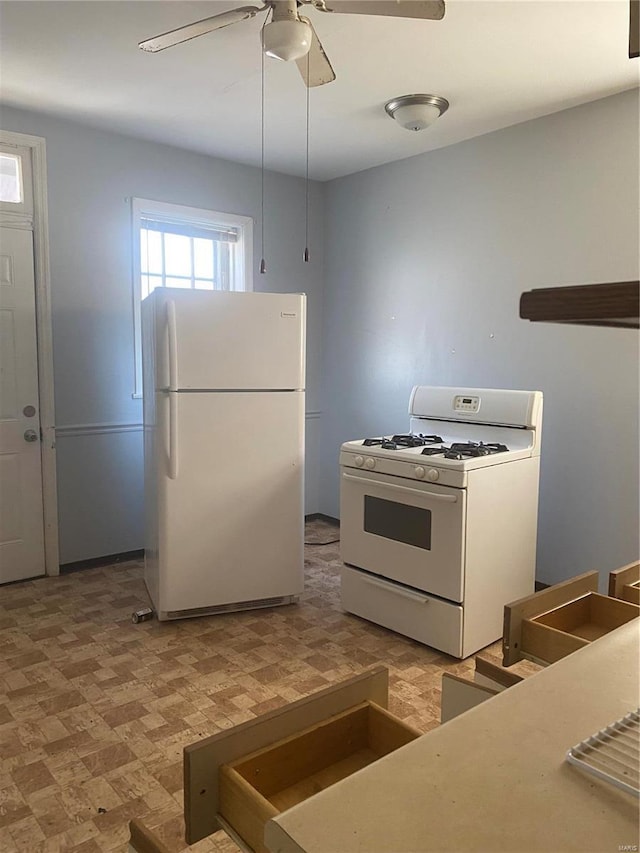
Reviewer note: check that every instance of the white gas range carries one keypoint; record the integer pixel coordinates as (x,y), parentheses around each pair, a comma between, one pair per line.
(438,525)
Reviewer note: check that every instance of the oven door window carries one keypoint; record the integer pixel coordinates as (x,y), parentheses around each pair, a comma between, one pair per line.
(398,521)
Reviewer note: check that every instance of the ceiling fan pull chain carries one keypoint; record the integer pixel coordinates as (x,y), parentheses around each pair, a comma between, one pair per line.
(263,266)
(306,186)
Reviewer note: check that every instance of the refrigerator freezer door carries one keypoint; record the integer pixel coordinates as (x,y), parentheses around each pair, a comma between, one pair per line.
(231,523)
(217,340)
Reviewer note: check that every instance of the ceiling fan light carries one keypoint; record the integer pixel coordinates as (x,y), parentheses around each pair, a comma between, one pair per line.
(286,40)
(415,112)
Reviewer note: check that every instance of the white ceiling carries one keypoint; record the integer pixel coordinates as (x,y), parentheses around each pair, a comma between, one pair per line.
(498,62)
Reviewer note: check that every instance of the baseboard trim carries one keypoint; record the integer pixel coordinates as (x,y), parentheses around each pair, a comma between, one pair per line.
(97,562)
(320,516)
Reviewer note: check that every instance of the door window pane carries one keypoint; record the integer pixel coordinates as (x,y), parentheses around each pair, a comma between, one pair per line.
(11,178)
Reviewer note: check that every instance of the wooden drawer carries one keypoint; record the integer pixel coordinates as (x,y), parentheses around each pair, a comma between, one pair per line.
(461,694)
(241,778)
(262,785)
(571,626)
(488,674)
(142,840)
(554,622)
(624,583)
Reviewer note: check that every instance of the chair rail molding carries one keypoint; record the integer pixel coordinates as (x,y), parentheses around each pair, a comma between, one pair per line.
(73,430)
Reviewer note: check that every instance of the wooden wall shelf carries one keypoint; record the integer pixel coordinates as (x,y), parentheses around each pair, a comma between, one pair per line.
(612,304)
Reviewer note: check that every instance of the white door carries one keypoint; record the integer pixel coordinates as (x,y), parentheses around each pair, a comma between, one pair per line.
(21,508)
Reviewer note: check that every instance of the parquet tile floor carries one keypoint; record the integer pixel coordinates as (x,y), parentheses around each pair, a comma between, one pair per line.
(95,710)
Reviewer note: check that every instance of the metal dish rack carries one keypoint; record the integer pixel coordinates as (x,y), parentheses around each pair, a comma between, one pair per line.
(612,754)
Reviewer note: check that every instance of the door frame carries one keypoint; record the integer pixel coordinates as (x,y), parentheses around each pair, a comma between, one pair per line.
(39,224)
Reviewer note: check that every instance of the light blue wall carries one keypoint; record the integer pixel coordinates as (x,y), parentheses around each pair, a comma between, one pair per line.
(416,280)
(426,261)
(92,176)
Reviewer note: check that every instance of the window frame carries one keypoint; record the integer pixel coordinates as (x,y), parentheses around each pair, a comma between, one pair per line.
(242,265)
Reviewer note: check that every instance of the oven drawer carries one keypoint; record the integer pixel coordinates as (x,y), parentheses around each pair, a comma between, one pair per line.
(241,778)
(429,620)
(556,621)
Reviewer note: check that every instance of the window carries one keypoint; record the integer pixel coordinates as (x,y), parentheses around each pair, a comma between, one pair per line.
(16,190)
(11,178)
(176,246)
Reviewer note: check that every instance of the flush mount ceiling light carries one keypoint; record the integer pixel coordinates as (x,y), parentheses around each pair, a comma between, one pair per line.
(415,112)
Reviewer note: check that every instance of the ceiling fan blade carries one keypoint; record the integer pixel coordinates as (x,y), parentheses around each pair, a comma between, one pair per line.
(199,28)
(432,10)
(315,62)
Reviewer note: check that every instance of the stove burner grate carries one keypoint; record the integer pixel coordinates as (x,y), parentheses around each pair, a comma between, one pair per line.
(456,450)
(397,442)
(412,440)
(472,449)
(466,449)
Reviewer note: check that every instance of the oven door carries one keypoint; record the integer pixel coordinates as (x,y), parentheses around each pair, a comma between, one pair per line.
(406,531)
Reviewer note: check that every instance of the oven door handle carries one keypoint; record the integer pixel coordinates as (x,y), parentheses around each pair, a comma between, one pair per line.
(451,499)
(397,590)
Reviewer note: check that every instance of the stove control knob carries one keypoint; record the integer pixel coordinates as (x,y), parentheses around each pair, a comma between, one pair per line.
(420,472)
(359,460)
(433,475)
(370,463)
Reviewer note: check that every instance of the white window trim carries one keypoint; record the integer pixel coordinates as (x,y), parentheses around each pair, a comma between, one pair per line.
(195,215)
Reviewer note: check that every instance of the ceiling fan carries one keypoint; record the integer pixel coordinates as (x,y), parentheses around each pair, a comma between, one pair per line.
(291,36)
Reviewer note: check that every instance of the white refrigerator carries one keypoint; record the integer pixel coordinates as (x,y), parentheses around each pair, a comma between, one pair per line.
(223,389)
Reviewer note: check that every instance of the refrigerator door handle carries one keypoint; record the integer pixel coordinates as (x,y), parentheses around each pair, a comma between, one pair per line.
(173,436)
(173,387)
(173,345)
